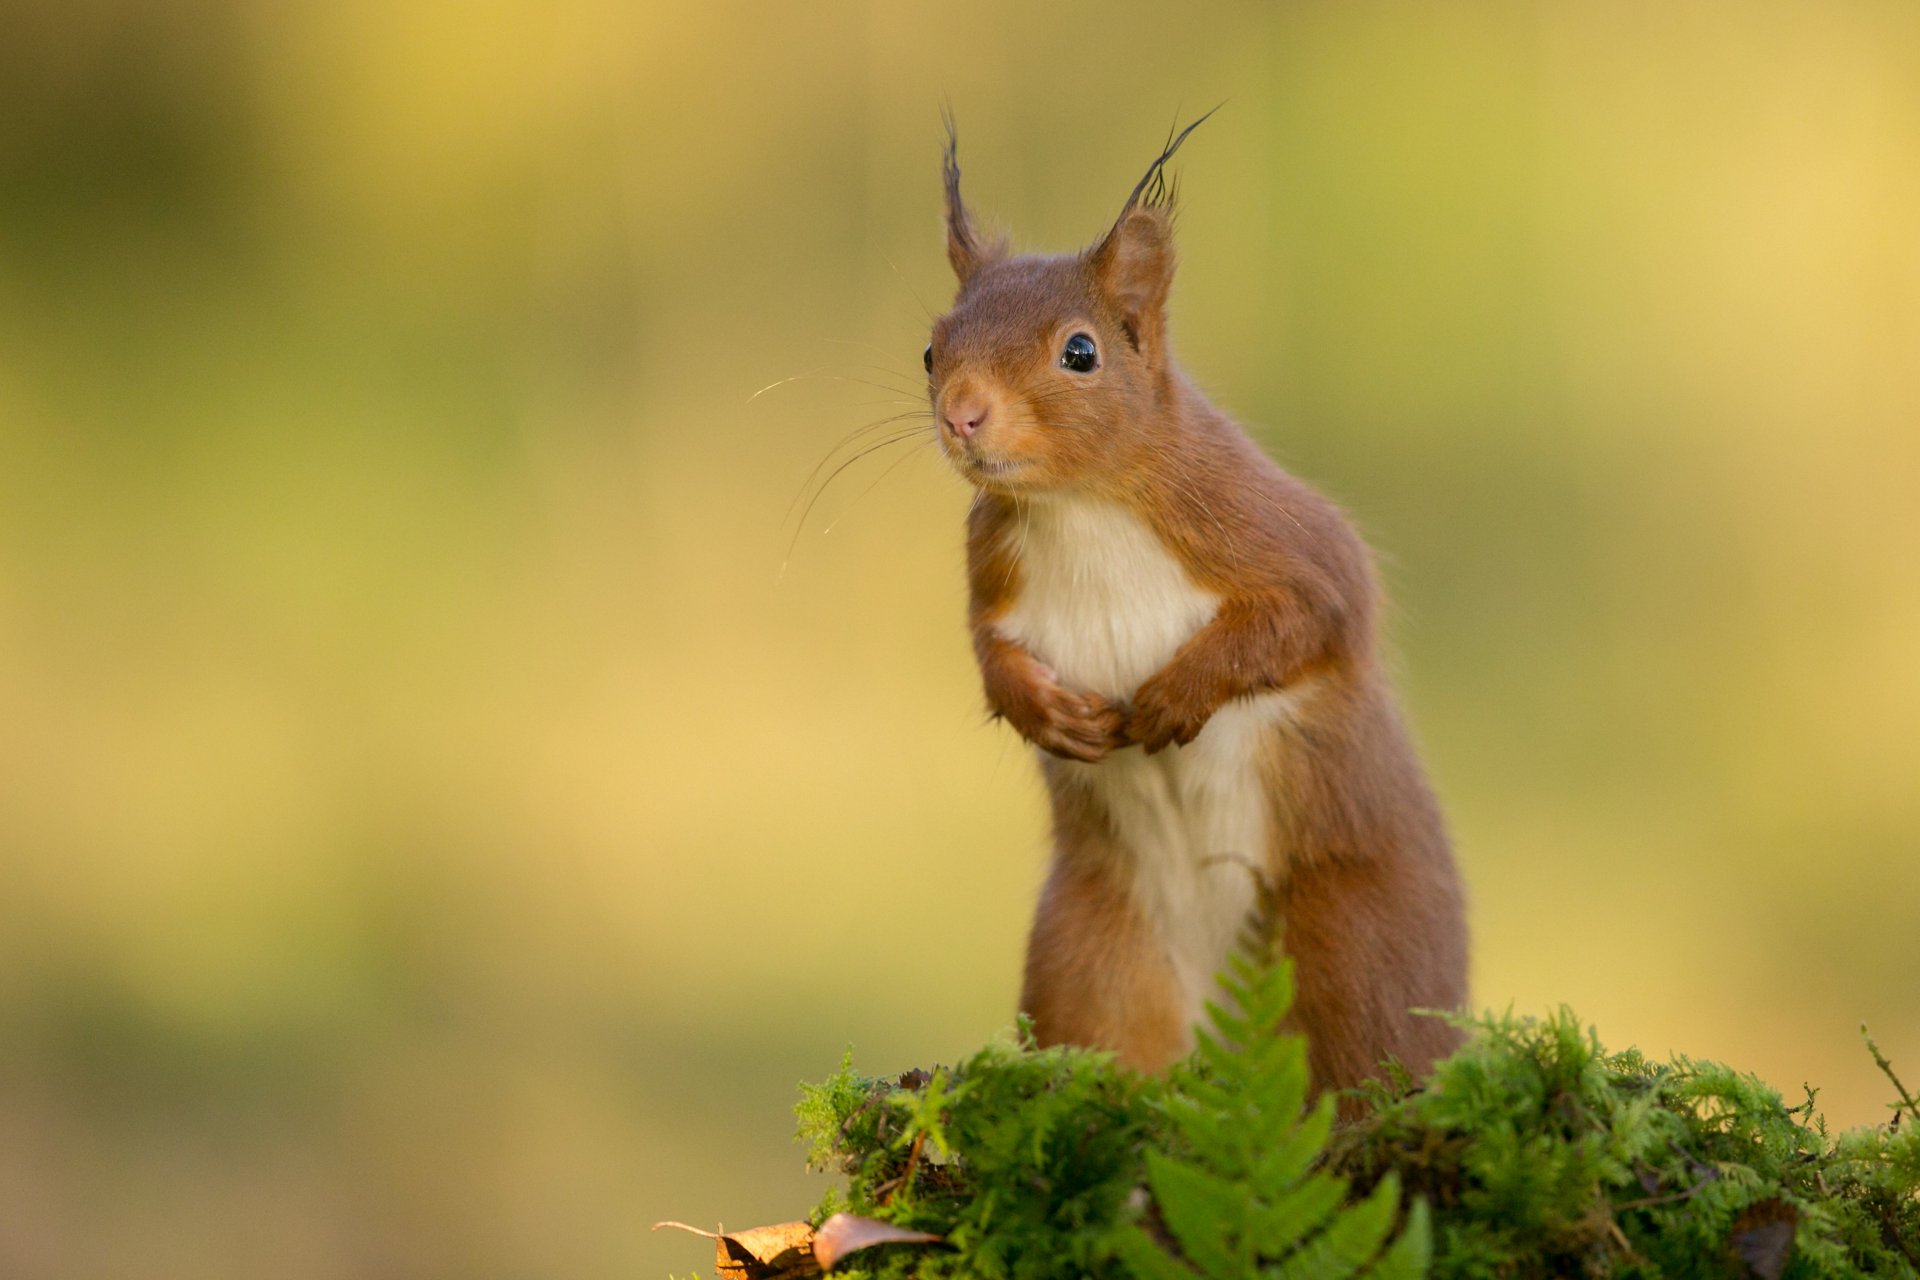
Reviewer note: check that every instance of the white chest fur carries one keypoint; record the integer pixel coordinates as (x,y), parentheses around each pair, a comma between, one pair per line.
(1106,605)
(1101,600)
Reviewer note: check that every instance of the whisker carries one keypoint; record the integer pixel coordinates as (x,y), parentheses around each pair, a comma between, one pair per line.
(866,448)
(851,437)
(1182,481)
(909,285)
(801,524)
(778,383)
(876,480)
(821,373)
(893,373)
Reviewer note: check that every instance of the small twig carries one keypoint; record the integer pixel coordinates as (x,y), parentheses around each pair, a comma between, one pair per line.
(1692,1163)
(886,1189)
(1620,1238)
(1649,1202)
(1880,1060)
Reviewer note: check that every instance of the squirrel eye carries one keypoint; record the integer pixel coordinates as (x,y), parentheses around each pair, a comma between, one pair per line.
(927,358)
(1079,354)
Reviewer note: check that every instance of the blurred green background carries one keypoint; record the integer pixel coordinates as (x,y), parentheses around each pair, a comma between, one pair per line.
(435,833)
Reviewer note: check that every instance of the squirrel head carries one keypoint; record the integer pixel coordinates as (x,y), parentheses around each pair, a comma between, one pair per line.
(1052,373)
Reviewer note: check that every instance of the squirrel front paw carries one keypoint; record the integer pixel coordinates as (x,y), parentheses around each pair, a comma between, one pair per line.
(1166,711)
(1058,720)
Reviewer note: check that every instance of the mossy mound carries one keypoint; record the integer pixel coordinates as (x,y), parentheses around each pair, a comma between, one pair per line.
(1531,1152)
(1542,1154)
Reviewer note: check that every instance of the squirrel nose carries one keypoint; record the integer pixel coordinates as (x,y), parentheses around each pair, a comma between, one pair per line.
(963,417)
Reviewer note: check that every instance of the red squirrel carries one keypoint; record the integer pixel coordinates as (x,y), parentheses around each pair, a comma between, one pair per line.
(1188,634)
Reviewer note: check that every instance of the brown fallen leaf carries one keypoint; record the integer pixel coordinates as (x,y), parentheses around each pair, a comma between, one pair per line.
(780,1252)
(1762,1238)
(846,1233)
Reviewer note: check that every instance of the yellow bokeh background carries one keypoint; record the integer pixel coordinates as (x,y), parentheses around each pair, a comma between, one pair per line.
(444,808)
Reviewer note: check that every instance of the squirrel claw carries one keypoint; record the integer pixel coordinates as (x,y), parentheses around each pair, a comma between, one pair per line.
(1064,722)
(1155,725)
(1082,727)
(1077,726)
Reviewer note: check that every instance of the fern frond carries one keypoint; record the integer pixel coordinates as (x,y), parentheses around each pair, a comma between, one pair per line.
(1240,1197)
(1409,1256)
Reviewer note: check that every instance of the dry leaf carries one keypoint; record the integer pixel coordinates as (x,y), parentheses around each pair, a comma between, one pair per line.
(781,1252)
(846,1233)
(1763,1238)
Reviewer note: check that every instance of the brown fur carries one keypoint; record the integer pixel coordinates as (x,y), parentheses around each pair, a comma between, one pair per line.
(1363,881)
(1095,975)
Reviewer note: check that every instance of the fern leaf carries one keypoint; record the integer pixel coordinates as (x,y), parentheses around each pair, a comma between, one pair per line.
(1146,1259)
(1204,1212)
(1278,1228)
(1229,1029)
(1283,1164)
(1349,1242)
(1409,1256)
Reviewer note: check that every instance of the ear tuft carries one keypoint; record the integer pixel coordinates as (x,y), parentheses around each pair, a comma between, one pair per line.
(1133,263)
(1154,190)
(965,251)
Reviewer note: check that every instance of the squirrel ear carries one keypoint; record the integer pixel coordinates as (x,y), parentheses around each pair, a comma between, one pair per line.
(1133,267)
(964,250)
(1133,263)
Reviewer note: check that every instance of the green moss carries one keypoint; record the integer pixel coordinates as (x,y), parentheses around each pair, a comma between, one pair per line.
(1543,1154)
(1037,1163)
(1022,1158)
(1531,1152)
